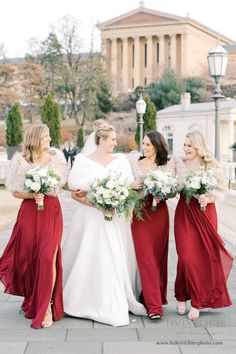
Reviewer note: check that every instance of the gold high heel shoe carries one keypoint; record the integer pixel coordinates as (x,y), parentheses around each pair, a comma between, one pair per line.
(47,321)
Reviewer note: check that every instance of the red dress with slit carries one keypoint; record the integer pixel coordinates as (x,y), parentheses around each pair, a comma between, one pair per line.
(26,265)
(151,239)
(203,262)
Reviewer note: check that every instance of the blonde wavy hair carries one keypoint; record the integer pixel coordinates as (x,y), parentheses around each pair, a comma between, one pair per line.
(32,148)
(102,130)
(199,142)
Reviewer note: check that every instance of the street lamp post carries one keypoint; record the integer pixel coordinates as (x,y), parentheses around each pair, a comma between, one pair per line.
(217,62)
(140,108)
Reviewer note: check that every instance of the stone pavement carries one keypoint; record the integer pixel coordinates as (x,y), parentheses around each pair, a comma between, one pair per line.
(214,332)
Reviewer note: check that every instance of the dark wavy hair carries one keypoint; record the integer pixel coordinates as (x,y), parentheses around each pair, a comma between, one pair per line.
(160,144)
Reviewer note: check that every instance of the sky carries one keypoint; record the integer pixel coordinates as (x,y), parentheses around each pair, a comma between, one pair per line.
(25,19)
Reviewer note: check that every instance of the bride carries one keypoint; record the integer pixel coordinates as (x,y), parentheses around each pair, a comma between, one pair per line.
(100,270)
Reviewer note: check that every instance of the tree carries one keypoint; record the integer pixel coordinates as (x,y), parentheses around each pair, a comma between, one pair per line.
(104,98)
(51,60)
(14,129)
(195,87)
(80,138)
(51,116)
(67,32)
(95,97)
(149,119)
(33,85)
(166,92)
(8,93)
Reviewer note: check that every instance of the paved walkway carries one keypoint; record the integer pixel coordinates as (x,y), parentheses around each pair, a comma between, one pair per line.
(214,332)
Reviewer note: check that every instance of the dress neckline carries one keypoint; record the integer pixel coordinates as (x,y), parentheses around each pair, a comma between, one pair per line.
(101,165)
(142,173)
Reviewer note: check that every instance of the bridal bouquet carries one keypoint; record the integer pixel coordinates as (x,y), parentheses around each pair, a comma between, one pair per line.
(113,194)
(199,182)
(160,184)
(41,180)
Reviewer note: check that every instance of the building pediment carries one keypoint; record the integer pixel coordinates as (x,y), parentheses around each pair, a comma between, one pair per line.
(139,17)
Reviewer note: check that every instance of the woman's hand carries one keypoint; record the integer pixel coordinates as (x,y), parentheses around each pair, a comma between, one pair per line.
(157,199)
(39,197)
(78,193)
(203,200)
(109,213)
(137,184)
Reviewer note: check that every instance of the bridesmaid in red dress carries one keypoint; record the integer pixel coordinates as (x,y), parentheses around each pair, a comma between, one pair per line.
(151,236)
(30,265)
(203,262)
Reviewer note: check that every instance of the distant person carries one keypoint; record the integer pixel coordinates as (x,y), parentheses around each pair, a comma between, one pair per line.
(70,152)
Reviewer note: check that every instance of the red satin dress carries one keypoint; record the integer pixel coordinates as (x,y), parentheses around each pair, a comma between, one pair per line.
(151,239)
(26,263)
(203,262)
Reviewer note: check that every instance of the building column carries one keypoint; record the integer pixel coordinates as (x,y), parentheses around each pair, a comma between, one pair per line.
(173,57)
(150,54)
(161,54)
(137,59)
(183,59)
(105,53)
(114,53)
(231,138)
(125,65)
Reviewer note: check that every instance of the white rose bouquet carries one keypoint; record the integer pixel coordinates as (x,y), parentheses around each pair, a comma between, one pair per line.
(199,182)
(113,195)
(159,184)
(41,180)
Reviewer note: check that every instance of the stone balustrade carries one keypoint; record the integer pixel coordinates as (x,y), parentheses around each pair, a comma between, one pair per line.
(3,168)
(227,217)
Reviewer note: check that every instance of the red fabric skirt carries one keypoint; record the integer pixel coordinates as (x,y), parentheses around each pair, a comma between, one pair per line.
(151,239)
(203,262)
(26,265)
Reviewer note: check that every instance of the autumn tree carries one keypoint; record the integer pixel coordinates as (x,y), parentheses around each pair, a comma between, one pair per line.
(8,93)
(32,86)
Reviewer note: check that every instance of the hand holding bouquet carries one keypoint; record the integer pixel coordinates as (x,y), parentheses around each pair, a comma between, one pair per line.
(160,185)
(113,195)
(40,180)
(198,183)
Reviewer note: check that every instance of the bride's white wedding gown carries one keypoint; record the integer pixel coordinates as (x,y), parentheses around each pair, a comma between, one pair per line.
(99,264)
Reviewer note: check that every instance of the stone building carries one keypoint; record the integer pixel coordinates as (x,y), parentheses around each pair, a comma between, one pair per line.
(139,45)
(176,121)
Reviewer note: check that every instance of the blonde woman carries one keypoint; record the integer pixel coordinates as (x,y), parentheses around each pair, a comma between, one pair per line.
(203,262)
(31,263)
(99,261)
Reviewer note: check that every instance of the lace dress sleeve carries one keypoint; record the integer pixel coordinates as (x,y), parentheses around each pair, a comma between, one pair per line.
(15,176)
(59,166)
(180,172)
(220,191)
(170,167)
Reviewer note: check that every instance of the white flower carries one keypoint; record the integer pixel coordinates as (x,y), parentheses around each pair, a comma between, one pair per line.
(28,183)
(194,183)
(35,186)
